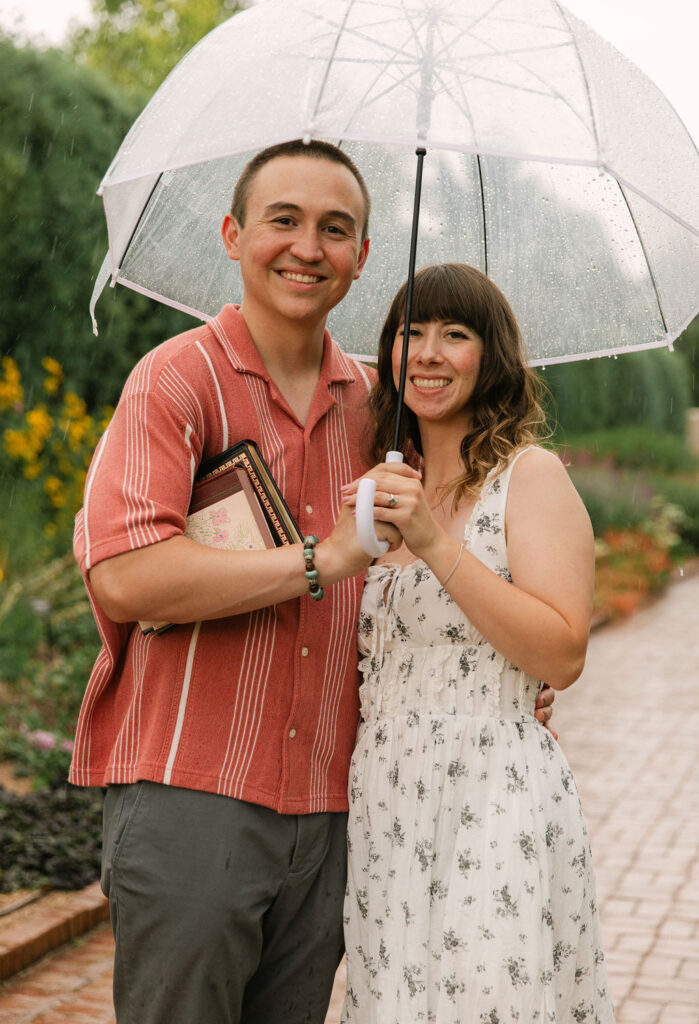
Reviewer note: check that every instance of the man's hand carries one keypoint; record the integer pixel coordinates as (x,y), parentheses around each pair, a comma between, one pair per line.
(544,708)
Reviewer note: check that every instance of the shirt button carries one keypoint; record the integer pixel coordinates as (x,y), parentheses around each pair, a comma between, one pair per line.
(292,733)
(309,509)
(304,652)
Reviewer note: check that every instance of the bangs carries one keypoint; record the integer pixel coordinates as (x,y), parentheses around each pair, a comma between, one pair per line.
(445,292)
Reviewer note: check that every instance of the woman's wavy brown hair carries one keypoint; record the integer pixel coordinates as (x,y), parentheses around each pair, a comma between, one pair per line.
(506,403)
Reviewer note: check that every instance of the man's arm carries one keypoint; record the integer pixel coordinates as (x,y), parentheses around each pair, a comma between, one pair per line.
(177,580)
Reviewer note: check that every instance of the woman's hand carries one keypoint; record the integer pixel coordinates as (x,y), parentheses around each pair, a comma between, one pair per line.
(341,555)
(400,501)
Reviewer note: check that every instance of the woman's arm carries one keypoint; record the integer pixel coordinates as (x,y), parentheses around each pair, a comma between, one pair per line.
(541,621)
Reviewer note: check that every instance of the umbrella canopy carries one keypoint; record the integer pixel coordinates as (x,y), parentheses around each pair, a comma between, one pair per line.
(553,164)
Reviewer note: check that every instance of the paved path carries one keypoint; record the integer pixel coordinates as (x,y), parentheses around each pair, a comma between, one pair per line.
(630,729)
(73,985)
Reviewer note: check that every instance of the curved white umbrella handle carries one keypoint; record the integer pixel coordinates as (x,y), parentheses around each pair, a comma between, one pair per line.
(365,513)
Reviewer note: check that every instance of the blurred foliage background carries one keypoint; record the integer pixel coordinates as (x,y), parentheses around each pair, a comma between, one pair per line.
(63,115)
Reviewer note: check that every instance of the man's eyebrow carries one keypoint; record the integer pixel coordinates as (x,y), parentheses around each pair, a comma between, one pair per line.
(281,206)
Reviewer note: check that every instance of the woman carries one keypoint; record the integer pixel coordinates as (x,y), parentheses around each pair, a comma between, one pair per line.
(470,894)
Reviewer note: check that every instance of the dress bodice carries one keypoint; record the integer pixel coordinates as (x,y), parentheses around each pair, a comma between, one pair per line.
(420,653)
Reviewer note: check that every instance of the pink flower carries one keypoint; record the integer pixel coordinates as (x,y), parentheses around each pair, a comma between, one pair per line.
(220,537)
(68,746)
(42,740)
(219,516)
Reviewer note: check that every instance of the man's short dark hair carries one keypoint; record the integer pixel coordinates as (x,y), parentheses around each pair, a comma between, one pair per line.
(316,149)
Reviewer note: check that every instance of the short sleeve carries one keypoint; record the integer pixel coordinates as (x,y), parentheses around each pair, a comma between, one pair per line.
(139,484)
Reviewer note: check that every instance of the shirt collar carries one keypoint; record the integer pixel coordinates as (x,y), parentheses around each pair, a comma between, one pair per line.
(231,329)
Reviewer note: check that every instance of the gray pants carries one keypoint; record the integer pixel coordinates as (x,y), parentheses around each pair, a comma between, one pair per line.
(223,912)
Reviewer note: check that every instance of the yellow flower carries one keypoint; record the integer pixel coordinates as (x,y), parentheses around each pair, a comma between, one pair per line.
(50,529)
(11,391)
(73,406)
(40,422)
(107,413)
(15,444)
(52,366)
(54,488)
(51,385)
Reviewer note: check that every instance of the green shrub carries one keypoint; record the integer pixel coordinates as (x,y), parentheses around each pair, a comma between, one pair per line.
(634,447)
(52,838)
(21,630)
(650,388)
(48,644)
(685,495)
(612,498)
(688,345)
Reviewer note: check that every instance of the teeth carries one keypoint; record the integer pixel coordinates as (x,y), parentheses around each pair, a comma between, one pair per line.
(430,382)
(301,278)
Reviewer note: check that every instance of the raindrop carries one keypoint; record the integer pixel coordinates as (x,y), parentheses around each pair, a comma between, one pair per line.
(681,572)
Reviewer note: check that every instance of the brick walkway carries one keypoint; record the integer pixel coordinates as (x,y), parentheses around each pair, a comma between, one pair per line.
(73,985)
(630,729)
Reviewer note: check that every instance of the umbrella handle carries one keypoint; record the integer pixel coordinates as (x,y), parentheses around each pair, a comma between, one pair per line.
(365,513)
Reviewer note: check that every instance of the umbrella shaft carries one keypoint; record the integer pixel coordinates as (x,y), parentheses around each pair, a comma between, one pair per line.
(409,296)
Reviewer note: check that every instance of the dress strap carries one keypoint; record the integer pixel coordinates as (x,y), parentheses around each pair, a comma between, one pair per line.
(493,497)
(505,473)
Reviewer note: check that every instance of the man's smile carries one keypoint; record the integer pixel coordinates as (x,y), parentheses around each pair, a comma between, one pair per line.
(289,275)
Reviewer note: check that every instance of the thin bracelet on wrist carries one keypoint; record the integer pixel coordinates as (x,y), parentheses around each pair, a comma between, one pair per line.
(314,587)
(454,566)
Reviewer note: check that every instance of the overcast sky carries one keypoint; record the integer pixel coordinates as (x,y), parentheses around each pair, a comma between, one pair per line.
(661,36)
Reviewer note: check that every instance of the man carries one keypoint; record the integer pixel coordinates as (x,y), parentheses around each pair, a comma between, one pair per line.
(225,742)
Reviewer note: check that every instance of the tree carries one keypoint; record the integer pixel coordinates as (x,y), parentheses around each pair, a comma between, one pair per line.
(138,42)
(648,388)
(60,126)
(688,343)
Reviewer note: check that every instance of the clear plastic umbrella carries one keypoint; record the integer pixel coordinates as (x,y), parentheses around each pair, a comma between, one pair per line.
(552,163)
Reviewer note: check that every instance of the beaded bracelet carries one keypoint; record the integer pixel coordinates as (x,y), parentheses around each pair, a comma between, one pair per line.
(314,587)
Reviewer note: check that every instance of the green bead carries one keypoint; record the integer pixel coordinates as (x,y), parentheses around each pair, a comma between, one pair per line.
(312,574)
(317,594)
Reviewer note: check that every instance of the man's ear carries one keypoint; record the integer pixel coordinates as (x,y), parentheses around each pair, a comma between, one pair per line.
(363,253)
(230,230)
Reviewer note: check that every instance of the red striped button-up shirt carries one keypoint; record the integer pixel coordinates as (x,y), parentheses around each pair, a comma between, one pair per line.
(261,706)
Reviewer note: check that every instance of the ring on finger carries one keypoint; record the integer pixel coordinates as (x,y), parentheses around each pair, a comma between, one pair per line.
(392,500)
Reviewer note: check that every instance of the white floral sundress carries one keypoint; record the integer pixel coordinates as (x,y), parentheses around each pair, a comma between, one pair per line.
(470,896)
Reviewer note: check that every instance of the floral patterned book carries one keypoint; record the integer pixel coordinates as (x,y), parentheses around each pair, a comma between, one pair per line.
(236,505)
